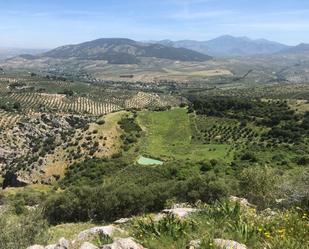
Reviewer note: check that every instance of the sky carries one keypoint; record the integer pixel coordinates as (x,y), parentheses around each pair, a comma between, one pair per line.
(51,23)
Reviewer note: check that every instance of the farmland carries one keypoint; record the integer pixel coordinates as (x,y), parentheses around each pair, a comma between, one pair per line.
(169,136)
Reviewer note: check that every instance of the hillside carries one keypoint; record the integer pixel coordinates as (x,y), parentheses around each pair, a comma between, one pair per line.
(76,156)
(123,51)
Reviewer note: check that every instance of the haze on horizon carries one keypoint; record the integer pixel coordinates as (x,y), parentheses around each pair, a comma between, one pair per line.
(51,23)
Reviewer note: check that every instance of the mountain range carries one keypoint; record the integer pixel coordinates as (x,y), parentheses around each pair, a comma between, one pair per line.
(127,51)
(123,51)
(229,46)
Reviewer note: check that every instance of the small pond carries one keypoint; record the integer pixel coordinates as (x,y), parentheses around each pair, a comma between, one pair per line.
(148,161)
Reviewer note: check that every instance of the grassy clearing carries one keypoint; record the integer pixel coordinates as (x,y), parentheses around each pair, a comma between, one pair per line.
(34,187)
(68,231)
(300,106)
(169,136)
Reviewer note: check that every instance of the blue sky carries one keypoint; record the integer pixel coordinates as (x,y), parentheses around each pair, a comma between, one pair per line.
(50,23)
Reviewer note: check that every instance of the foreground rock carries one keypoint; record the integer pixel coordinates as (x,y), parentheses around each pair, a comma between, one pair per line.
(194,244)
(62,244)
(105,230)
(36,247)
(88,245)
(127,243)
(228,244)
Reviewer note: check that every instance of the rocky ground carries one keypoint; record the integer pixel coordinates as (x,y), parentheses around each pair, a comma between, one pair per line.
(118,238)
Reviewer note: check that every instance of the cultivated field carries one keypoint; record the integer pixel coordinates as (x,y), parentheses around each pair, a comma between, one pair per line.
(169,136)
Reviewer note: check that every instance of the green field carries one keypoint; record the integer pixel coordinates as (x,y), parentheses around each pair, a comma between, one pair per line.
(169,136)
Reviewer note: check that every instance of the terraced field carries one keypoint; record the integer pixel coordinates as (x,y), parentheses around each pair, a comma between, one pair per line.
(8,119)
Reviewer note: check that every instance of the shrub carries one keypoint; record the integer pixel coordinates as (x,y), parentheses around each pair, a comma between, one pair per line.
(259,185)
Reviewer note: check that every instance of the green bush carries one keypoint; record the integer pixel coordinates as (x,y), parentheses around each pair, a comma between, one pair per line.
(259,185)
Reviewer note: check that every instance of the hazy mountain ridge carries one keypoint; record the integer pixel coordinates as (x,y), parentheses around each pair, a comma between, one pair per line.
(299,49)
(227,45)
(6,53)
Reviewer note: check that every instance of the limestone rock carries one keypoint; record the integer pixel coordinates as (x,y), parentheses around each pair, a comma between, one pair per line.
(228,244)
(106,230)
(63,244)
(127,243)
(181,212)
(51,246)
(36,247)
(194,244)
(122,221)
(242,201)
(87,245)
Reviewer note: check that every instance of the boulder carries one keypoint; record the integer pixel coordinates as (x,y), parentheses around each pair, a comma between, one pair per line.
(51,246)
(127,243)
(36,247)
(63,244)
(87,245)
(106,230)
(228,244)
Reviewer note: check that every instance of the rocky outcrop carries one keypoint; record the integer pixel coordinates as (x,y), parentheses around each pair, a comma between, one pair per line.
(242,201)
(87,245)
(194,244)
(36,247)
(105,230)
(51,246)
(181,212)
(228,244)
(62,244)
(127,243)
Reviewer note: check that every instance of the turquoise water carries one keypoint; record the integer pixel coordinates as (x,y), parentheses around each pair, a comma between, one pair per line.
(148,161)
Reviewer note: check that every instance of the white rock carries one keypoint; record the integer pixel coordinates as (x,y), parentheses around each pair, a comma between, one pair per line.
(106,230)
(242,201)
(36,247)
(122,221)
(181,212)
(87,245)
(228,244)
(63,244)
(51,246)
(194,244)
(127,243)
